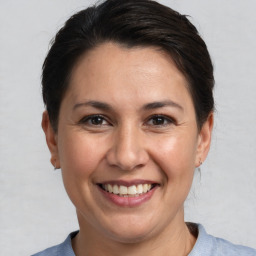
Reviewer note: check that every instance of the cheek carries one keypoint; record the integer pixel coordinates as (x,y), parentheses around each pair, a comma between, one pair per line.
(80,157)
(79,154)
(175,155)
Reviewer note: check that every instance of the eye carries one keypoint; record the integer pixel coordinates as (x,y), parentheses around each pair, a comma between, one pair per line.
(160,120)
(94,120)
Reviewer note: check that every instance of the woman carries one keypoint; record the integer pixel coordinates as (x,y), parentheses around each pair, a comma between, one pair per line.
(129,114)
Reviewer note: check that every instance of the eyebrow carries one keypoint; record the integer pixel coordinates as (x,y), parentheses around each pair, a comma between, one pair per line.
(153,105)
(95,104)
(161,104)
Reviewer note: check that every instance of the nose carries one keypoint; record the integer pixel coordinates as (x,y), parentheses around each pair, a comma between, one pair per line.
(128,150)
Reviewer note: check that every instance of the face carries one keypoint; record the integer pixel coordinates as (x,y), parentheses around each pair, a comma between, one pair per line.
(127,142)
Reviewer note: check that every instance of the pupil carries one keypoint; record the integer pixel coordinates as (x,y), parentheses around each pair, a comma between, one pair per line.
(97,120)
(158,120)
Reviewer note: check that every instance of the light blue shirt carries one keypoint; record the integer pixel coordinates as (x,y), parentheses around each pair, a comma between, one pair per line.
(206,245)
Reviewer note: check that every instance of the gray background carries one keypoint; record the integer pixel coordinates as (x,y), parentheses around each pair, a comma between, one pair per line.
(35,211)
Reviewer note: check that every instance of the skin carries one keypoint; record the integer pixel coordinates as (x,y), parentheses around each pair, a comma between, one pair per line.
(128,143)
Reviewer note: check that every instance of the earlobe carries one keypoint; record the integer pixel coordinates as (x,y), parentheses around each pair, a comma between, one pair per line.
(204,140)
(51,139)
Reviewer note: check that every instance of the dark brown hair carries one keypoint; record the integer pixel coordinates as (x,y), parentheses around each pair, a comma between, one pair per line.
(130,23)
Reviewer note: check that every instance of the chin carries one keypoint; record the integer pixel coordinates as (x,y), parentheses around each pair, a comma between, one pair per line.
(130,231)
(130,237)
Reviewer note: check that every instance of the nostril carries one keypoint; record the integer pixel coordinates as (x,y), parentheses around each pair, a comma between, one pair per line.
(127,151)
(125,161)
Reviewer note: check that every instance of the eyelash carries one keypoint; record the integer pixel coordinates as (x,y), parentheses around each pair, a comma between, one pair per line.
(166,119)
(88,119)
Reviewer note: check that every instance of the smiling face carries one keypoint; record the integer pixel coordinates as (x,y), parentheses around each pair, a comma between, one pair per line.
(127,142)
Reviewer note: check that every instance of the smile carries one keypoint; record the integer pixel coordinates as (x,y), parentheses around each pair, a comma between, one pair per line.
(128,193)
(124,191)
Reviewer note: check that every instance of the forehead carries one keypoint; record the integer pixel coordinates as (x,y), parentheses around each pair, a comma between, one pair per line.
(113,57)
(115,72)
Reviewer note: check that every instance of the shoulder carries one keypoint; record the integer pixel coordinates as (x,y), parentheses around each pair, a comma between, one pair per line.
(207,245)
(52,251)
(227,248)
(63,249)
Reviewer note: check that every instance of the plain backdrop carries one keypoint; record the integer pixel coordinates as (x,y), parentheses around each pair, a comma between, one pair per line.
(35,211)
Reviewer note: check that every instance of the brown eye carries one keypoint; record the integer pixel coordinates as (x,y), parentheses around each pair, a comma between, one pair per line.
(160,120)
(94,120)
(97,120)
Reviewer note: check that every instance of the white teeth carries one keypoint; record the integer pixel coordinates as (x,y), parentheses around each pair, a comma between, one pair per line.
(109,188)
(115,189)
(140,189)
(123,190)
(132,190)
(127,191)
(146,187)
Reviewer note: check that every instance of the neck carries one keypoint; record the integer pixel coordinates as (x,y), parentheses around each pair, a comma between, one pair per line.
(175,240)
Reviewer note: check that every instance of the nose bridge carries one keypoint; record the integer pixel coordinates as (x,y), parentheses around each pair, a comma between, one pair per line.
(127,150)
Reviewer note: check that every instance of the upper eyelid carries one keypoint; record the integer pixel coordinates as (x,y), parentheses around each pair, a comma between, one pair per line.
(86,118)
(163,116)
(107,119)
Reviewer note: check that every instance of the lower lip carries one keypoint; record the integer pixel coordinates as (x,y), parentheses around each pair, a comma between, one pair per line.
(128,201)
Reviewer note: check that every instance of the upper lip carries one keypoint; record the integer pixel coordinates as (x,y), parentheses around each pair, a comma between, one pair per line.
(127,183)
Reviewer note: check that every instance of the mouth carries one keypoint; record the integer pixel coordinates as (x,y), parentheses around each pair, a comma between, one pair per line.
(133,193)
(134,190)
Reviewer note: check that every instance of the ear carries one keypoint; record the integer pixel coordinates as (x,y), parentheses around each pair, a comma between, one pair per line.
(204,140)
(51,139)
